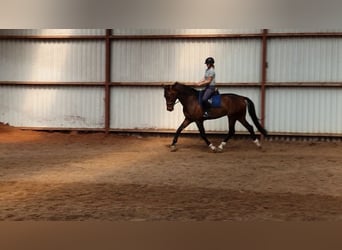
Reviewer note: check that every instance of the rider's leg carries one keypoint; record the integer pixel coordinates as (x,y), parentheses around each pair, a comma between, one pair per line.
(209,91)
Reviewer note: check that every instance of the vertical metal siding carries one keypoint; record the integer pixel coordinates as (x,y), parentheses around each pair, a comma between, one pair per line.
(38,32)
(182,31)
(237,60)
(304,30)
(137,108)
(308,110)
(51,61)
(305,60)
(55,107)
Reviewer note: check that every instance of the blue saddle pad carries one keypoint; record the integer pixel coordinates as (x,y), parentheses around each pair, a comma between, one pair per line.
(215,100)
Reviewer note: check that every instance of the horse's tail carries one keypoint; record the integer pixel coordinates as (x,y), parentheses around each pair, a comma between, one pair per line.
(252,113)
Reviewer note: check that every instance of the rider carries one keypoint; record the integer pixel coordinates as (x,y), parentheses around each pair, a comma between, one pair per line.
(209,82)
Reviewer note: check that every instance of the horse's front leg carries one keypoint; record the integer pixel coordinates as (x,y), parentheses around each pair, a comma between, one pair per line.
(203,135)
(184,124)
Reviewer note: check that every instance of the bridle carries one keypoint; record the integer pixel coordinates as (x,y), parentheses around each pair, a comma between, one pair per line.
(172,103)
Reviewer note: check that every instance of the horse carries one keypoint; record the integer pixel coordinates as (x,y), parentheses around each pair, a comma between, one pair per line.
(231,105)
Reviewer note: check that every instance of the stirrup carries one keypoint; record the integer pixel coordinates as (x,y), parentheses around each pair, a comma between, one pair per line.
(205,114)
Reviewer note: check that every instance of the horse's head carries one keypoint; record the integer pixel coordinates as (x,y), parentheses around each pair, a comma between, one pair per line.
(171,96)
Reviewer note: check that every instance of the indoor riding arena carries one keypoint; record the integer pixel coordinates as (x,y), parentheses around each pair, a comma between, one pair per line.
(85,133)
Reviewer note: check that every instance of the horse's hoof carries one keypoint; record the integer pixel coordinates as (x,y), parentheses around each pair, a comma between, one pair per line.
(220,147)
(219,150)
(257,143)
(173,148)
(213,148)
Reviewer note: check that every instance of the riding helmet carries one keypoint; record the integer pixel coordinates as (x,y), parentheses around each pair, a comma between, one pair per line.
(209,60)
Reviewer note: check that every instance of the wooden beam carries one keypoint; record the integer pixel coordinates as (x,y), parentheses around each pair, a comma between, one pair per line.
(52,37)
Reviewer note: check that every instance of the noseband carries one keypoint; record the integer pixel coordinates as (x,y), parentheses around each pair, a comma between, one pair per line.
(172,103)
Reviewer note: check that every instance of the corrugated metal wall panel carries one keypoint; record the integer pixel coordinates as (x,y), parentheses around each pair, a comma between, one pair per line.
(145,108)
(183,31)
(307,110)
(237,60)
(304,30)
(137,108)
(55,107)
(38,32)
(305,60)
(52,61)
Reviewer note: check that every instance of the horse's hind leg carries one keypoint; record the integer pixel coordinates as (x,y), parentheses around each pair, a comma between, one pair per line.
(204,137)
(231,132)
(251,131)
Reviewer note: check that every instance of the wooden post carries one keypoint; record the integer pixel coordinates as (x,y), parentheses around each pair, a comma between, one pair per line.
(263,76)
(107,80)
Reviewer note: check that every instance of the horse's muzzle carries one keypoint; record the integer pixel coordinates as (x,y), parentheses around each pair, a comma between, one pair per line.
(169,106)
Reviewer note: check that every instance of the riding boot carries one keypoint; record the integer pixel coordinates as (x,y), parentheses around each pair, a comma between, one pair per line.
(206,107)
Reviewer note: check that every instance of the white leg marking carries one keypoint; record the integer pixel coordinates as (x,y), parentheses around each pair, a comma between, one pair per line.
(220,147)
(212,147)
(173,148)
(256,141)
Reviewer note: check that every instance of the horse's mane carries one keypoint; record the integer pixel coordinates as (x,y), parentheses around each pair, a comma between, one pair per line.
(185,89)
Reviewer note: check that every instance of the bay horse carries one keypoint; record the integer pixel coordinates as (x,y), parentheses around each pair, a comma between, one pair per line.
(233,106)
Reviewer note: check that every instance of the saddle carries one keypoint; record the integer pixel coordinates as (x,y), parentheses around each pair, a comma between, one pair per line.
(214,101)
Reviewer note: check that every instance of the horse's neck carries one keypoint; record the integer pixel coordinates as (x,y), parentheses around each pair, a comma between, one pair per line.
(187,98)
(186,91)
